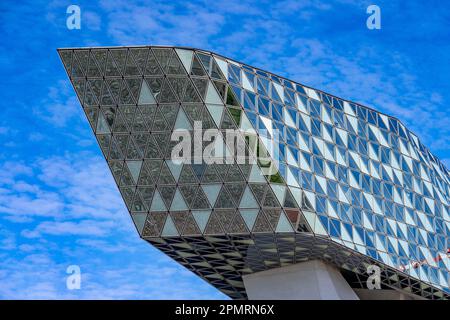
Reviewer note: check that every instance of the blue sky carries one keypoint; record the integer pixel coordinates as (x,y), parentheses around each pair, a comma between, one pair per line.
(58,203)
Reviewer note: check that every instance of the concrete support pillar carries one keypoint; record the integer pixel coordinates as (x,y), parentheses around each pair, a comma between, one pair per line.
(310,280)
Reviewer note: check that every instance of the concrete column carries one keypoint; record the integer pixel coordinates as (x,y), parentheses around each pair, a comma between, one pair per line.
(310,280)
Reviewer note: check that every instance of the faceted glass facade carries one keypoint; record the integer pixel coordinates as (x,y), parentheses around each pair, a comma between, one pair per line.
(347,184)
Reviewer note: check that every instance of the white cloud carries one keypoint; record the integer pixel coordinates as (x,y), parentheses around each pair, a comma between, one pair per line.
(162,23)
(60,106)
(40,277)
(80,228)
(63,188)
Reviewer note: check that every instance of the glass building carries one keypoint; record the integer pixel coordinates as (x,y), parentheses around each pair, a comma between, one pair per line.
(323,178)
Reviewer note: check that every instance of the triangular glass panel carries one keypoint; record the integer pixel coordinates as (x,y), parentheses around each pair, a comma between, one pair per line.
(140,57)
(111,69)
(199,169)
(152,150)
(150,172)
(234,174)
(283,225)
(127,113)
(120,124)
(174,65)
(157,203)
(104,140)
(66,57)
(248,200)
(200,201)
(93,69)
(92,115)
(201,218)
(197,69)
(139,122)
(170,114)
(270,199)
(211,191)
(147,112)
(133,152)
(187,175)
(79,85)
(119,56)
(231,99)
(131,68)
(140,140)
(146,96)
(182,121)
(289,201)
(210,175)
(106,97)
(174,168)
(127,179)
(167,194)
(80,63)
(224,200)
(128,195)
(114,87)
(96,89)
(190,94)
(186,58)
(134,86)
(135,168)
(169,228)
(167,94)
(216,112)
(102,126)
(159,123)
(138,203)
(126,96)
(155,84)
(201,84)
(194,111)
(273,215)
(115,152)
(249,216)
(214,226)
(261,224)
(122,142)
(162,140)
(280,192)
(178,202)
(236,190)
(207,121)
(227,121)
(152,67)
(206,61)
(238,225)
(221,89)
(212,96)
(147,195)
(215,71)
(178,84)
(162,55)
(89,96)
(139,221)
(165,176)
(256,175)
